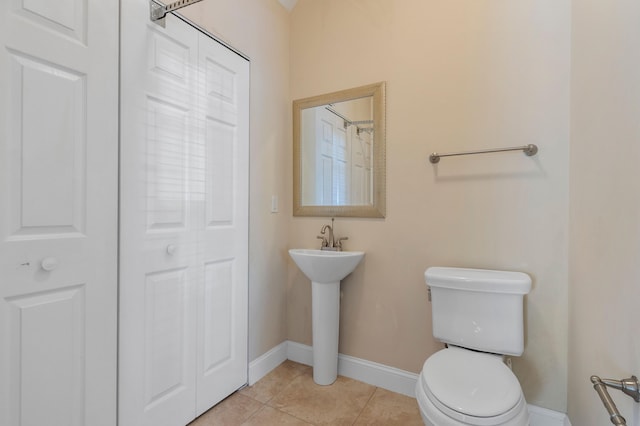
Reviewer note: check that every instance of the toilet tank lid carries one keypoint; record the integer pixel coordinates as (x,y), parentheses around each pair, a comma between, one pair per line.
(482,280)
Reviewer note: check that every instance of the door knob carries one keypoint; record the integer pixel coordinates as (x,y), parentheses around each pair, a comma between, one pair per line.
(49,263)
(171,249)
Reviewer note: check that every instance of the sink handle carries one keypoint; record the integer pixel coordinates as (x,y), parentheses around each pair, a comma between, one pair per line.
(324,243)
(340,240)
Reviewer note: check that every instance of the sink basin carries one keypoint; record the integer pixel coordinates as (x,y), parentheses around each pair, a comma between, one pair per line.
(324,266)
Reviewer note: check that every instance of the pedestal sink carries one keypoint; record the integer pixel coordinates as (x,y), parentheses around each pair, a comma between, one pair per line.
(325,269)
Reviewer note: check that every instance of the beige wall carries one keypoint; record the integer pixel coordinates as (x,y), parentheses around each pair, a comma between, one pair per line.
(460,75)
(605,205)
(260,29)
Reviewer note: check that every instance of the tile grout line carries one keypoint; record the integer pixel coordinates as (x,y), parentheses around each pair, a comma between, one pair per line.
(255,412)
(252,414)
(375,389)
(300,373)
(295,417)
(266,403)
(282,389)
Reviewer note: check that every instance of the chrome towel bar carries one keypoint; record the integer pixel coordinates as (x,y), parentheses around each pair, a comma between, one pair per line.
(629,386)
(530,150)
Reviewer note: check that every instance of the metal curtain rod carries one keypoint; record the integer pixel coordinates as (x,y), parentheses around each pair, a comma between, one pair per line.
(159,11)
(348,122)
(364,130)
(530,150)
(345,119)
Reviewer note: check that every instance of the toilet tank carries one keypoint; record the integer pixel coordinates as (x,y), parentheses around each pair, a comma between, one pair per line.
(478,308)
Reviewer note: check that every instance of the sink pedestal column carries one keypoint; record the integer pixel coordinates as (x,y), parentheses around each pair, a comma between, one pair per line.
(326,319)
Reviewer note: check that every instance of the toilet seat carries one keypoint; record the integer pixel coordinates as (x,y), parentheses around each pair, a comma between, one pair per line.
(462,387)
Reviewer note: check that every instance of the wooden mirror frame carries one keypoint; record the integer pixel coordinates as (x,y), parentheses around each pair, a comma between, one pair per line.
(378,206)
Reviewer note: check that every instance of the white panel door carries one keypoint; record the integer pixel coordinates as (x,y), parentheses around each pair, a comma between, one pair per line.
(157,247)
(224,161)
(183,243)
(58,212)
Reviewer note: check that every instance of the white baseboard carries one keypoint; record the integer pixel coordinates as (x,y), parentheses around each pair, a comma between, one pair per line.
(261,366)
(539,416)
(379,375)
(300,353)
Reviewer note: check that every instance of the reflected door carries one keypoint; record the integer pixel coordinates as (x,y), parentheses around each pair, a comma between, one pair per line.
(360,167)
(332,158)
(58,212)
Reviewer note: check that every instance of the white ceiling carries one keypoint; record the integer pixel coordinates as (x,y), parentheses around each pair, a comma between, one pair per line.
(288,4)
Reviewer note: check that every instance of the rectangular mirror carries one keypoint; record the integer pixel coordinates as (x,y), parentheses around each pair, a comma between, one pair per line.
(339,166)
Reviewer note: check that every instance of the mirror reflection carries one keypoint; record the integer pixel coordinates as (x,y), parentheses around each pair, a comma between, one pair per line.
(339,153)
(335,145)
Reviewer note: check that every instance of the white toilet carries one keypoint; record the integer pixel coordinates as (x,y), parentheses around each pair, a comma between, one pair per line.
(479,315)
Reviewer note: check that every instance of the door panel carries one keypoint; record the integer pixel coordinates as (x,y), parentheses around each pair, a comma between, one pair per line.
(157,277)
(220,147)
(65,17)
(54,320)
(47,191)
(218,315)
(184,221)
(166,319)
(223,305)
(58,218)
(166,165)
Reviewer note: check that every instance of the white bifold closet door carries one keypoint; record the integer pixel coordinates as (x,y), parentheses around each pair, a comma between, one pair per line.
(184,221)
(58,212)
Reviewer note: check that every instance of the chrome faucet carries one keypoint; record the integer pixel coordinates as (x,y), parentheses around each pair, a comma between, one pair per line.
(330,243)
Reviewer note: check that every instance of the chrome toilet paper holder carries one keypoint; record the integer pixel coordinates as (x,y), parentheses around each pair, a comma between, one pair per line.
(628,386)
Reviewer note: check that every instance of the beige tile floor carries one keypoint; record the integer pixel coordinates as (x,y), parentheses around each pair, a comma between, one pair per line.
(288,396)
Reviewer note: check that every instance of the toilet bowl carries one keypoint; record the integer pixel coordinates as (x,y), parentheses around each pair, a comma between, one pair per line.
(478,314)
(462,387)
